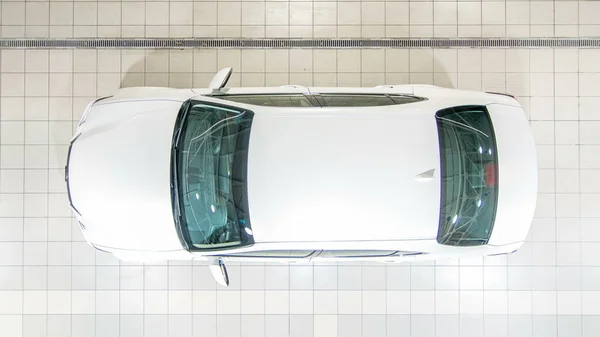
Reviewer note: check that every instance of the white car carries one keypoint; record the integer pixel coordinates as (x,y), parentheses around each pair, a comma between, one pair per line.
(298,174)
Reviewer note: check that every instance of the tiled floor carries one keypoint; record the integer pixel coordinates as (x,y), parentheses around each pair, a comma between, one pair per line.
(53,284)
(282,18)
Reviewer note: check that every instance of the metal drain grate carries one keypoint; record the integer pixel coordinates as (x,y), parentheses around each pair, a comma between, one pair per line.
(300,43)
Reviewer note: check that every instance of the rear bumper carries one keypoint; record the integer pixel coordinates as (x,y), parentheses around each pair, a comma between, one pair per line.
(67,177)
(517,175)
(78,216)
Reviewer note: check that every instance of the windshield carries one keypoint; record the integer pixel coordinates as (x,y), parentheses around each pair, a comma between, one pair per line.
(469,183)
(209,175)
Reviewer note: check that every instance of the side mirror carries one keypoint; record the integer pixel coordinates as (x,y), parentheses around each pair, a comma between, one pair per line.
(219,272)
(220,79)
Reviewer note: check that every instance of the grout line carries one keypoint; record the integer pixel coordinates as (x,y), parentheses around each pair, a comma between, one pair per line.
(289,316)
(506,263)
(23,195)
(96,252)
(554,34)
(168,288)
(554,185)
(434,35)
(408,23)
(71,220)
(532,244)
(143,269)
(529,22)
(48,185)
(264,290)
(581,312)
(337,21)
(505,19)
(578,25)
(481,25)
(457,20)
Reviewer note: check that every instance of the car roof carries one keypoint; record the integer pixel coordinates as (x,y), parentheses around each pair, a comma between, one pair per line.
(343,174)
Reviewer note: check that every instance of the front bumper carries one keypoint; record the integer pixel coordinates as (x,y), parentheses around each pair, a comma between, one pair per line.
(76,135)
(73,208)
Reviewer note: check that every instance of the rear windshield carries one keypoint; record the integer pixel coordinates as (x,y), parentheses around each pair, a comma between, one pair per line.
(469,184)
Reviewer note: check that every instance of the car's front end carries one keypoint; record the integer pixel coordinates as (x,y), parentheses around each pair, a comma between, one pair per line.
(118,175)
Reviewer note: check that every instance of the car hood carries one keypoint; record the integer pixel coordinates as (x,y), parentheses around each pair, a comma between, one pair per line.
(119,175)
(343,175)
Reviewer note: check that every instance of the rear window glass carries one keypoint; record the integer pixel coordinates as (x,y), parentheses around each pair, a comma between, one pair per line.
(469,184)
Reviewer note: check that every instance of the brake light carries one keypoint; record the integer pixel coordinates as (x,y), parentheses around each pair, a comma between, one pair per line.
(491,171)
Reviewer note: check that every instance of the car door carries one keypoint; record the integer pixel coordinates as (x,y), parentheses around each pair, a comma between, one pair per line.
(269,256)
(283,96)
(380,89)
(363,97)
(380,256)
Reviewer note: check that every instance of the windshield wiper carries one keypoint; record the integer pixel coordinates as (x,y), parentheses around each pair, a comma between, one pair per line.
(177,214)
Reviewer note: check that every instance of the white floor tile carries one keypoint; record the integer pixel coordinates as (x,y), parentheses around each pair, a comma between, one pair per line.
(53,284)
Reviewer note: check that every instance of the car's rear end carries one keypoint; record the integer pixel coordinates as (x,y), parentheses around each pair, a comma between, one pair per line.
(489,174)
(518,174)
